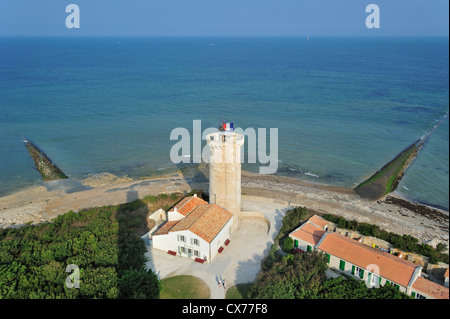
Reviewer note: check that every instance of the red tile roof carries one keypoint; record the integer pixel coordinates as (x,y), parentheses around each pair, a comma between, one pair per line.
(187,204)
(211,222)
(309,233)
(319,221)
(165,228)
(430,288)
(203,219)
(391,267)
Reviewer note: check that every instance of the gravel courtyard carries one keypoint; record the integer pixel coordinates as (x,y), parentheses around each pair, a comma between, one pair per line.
(239,262)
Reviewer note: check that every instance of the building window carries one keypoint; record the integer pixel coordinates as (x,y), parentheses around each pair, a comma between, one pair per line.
(419,296)
(358,272)
(196,241)
(196,253)
(181,238)
(342,265)
(182,249)
(395,285)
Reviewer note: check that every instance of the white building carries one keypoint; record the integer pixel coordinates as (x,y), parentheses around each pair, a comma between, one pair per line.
(194,229)
(307,236)
(364,262)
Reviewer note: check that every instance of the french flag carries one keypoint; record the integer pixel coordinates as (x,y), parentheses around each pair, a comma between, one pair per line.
(228,126)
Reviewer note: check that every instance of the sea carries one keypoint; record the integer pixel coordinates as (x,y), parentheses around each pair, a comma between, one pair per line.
(343,106)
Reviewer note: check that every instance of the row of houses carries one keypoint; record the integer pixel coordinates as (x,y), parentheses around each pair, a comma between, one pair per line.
(364,262)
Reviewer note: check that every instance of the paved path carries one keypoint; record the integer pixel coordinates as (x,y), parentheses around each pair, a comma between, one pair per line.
(239,262)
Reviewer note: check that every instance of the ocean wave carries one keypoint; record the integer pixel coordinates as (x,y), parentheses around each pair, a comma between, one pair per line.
(311,174)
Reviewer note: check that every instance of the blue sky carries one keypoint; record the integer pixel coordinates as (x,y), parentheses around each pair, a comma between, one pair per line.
(224,17)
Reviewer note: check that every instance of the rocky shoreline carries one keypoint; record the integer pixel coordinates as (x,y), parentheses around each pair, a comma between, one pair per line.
(393,213)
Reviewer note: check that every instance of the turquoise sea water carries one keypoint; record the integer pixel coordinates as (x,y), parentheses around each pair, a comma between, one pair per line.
(343,107)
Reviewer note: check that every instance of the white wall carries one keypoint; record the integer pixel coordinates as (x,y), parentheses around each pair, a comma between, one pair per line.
(303,245)
(171,241)
(221,237)
(335,262)
(173,215)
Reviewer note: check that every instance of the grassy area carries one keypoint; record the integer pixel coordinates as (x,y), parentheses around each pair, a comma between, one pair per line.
(239,291)
(184,287)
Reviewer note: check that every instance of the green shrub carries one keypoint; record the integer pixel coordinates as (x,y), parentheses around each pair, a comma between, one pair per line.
(288,244)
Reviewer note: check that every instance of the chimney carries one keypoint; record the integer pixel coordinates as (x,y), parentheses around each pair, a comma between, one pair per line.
(175,209)
(195,195)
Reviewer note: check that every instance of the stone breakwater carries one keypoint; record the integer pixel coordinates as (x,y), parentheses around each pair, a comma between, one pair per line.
(388,177)
(392,214)
(49,171)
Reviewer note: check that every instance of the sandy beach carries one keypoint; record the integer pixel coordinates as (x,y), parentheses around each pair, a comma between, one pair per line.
(42,203)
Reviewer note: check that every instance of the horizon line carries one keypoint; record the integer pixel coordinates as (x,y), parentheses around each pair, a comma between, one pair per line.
(230,36)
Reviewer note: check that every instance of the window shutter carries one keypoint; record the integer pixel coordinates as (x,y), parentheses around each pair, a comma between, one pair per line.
(361,273)
(413,294)
(369,277)
(353,269)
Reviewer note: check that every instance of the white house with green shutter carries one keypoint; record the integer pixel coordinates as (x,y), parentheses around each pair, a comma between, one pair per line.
(373,266)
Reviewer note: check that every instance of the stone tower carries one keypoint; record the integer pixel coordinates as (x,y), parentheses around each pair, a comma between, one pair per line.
(225,171)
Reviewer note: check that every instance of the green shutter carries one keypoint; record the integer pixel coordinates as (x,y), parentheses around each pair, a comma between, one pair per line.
(342,265)
(413,294)
(308,248)
(328,257)
(296,243)
(379,281)
(353,269)
(361,273)
(387,282)
(369,278)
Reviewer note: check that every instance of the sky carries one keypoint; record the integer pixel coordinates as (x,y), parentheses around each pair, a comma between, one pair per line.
(224,18)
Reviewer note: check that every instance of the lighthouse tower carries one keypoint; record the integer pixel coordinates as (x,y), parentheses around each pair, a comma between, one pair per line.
(225,171)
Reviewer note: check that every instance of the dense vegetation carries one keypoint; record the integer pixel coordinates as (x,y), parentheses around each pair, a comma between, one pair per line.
(291,220)
(404,242)
(302,276)
(341,288)
(104,243)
